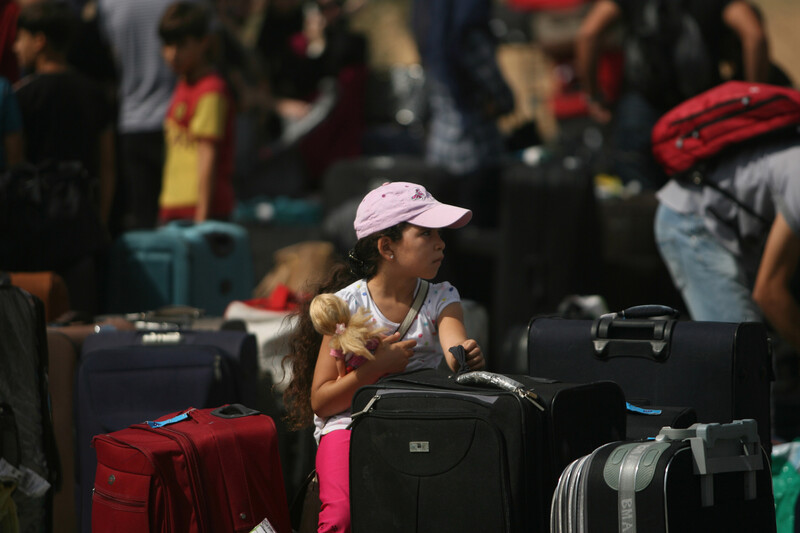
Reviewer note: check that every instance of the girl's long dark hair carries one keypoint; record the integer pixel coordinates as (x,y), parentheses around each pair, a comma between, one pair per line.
(304,343)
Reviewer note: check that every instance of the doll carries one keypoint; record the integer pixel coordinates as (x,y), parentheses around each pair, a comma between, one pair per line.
(353,336)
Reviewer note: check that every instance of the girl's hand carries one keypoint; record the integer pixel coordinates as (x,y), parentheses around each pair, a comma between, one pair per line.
(392,356)
(475,360)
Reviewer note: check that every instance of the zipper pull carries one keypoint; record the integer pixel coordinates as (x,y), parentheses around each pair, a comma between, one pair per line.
(531,397)
(367,408)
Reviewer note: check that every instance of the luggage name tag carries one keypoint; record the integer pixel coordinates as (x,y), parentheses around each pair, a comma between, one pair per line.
(173,420)
(641,410)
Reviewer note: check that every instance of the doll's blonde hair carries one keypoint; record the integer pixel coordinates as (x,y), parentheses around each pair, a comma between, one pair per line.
(349,331)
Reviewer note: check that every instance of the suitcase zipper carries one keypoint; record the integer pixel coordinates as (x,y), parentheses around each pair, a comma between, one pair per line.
(745,101)
(149,457)
(123,504)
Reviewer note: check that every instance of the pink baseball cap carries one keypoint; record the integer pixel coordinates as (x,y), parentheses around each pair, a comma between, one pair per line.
(400,201)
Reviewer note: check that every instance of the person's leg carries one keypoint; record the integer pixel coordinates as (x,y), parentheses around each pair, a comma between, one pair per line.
(634,119)
(333,469)
(713,284)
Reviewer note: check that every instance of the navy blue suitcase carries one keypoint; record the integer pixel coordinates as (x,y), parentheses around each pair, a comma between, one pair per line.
(128,377)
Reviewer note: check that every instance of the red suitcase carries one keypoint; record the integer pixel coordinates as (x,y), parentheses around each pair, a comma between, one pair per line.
(196,471)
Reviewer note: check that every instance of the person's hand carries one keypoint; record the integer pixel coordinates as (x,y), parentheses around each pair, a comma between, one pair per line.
(292,109)
(475,360)
(392,354)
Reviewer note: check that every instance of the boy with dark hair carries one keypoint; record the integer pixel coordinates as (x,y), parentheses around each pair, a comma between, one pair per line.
(197,180)
(65,117)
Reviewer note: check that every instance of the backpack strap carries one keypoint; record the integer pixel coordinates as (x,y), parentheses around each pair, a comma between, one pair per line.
(697,177)
(415,307)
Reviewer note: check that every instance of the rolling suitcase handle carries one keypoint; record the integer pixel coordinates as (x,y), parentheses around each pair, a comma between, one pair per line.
(634,332)
(719,448)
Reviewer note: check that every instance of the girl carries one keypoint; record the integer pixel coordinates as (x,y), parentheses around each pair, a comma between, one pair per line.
(398,246)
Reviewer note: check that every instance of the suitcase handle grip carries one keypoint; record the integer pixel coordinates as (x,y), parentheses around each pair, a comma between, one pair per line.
(647,311)
(234,410)
(630,337)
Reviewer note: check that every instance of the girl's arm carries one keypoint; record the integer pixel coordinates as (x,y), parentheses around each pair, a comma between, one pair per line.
(452,333)
(331,395)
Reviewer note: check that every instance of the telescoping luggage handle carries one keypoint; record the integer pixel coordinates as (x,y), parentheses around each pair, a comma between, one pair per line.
(640,331)
(720,448)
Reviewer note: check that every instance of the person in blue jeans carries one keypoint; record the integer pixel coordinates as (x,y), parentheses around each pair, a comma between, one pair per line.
(734,260)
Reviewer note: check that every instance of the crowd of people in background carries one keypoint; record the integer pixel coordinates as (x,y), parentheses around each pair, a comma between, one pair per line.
(93,81)
(150,96)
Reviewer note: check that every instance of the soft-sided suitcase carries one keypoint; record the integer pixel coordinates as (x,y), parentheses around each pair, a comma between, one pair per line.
(198,470)
(27,442)
(549,232)
(708,478)
(430,454)
(722,370)
(126,377)
(205,265)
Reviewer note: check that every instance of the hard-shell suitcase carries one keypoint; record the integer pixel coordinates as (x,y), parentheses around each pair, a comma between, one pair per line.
(27,442)
(722,370)
(205,265)
(126,377)
(429,454)
(198,470)
(705,479)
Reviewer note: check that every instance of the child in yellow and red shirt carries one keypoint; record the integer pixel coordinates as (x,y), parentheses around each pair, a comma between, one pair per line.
(197,180)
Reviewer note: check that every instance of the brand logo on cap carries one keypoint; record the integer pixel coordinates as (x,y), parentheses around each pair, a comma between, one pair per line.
(417,195)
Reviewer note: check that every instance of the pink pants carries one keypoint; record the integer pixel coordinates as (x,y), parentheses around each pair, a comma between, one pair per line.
(333,469)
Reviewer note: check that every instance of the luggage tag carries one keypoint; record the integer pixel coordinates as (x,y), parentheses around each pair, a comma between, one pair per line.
(641,410)
(174,420)
(264,527)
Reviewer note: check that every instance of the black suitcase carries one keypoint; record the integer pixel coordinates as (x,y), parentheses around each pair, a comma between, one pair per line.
(27,438)
(428,454)
(548,235)
(704,479)
(722,370)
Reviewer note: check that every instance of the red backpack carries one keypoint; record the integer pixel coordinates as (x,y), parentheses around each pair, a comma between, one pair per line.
(721,117)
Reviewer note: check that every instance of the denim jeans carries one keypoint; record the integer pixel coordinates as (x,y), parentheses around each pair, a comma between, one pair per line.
(711,279)
(634,119)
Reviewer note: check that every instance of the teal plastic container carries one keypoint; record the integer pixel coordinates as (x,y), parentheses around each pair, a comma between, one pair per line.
(205,265)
